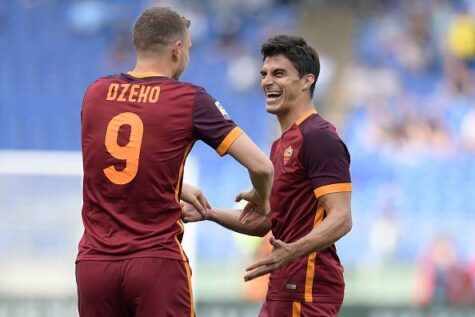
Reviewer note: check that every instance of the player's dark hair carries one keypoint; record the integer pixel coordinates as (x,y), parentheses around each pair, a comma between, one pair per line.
(303,57)
(157,27)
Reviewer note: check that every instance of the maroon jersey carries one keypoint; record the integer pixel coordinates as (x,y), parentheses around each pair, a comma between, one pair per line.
(309,161)
(137,131)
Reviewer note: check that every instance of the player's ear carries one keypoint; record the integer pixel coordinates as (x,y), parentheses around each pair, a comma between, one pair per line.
(308,80)
(177,46)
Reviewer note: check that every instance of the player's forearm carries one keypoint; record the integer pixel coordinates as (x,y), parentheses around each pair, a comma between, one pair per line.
(261,170)
(262,180)
(332,228)
(230,219)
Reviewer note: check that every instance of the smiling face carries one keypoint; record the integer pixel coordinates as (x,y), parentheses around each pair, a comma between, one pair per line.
(282,84)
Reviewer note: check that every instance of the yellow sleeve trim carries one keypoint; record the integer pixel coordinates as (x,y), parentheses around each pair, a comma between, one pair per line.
(229,140)
(332,188)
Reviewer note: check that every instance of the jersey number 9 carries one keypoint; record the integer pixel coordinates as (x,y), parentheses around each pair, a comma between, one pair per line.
(129,152)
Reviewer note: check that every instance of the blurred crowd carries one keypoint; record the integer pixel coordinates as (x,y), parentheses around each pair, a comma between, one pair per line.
(411,83)
(230,30)
(409,88)
(409,92)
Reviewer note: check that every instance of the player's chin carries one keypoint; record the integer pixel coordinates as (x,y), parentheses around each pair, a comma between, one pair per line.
(273,109)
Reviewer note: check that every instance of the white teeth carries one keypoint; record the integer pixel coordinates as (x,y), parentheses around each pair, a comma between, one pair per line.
(273,94)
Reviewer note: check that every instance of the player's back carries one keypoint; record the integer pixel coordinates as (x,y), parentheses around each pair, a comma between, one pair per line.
(136,134)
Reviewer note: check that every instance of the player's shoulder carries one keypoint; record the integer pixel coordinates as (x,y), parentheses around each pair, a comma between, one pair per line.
(195,88)
(187,88)
(103,81)
(108,78)
(321,138)
(317,128)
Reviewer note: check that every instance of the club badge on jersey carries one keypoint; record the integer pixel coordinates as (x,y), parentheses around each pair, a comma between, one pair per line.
(222,110)
(288,154)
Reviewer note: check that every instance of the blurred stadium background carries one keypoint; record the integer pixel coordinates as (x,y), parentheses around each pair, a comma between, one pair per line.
(397,80)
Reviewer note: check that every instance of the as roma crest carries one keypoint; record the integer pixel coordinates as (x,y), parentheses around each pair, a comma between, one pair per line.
(288,154)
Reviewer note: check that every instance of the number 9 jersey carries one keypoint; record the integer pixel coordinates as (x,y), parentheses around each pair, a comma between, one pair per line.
(137,130)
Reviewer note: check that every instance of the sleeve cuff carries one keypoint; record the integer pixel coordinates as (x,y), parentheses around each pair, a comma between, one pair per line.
(229,140)
(332,188)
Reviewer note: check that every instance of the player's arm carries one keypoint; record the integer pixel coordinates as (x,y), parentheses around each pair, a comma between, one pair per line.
(212,124)
(228,219)
(261,173)
(336,224)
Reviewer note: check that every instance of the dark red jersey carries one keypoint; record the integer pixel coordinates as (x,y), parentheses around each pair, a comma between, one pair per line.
(309,161)
(137,131)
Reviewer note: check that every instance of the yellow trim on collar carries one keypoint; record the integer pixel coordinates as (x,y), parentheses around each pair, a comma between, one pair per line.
(305,116)
(143,75)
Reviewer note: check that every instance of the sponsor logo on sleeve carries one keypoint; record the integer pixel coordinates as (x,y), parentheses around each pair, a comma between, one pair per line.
(222,110)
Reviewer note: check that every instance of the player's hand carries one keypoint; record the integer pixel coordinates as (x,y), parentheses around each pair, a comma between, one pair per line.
(255,208)
(281,254)
(191,214)
(195,197)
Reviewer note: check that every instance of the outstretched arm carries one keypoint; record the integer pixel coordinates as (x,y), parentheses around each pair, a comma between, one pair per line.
(228,219)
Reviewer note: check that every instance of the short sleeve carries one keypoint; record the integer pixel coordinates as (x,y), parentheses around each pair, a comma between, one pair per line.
(327,162)
(212,124)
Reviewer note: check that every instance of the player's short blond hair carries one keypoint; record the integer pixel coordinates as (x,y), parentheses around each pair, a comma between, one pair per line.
(157,27)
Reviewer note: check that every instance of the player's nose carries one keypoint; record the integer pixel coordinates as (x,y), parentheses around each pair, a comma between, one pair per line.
(266,81)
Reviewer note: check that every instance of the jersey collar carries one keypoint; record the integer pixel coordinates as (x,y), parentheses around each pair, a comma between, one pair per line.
(305,116)
(143,75)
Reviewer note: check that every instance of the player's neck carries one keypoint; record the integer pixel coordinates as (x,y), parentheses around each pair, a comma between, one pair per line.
(293,115)
(153,66)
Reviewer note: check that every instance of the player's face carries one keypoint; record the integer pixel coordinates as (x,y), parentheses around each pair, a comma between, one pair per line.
(281,83)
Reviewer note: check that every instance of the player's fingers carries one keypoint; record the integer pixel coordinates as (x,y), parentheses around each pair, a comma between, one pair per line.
(187,208)
(242,216)
(196,203)
(188,220)
(250,217)
(252,213)
(246,217)
(247,209)
(264,262)
(246,195)
(239,197)
(204,202)
(244,220)
(192,217)
(186,214)
(258,272)
(205,206)
(276,243)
